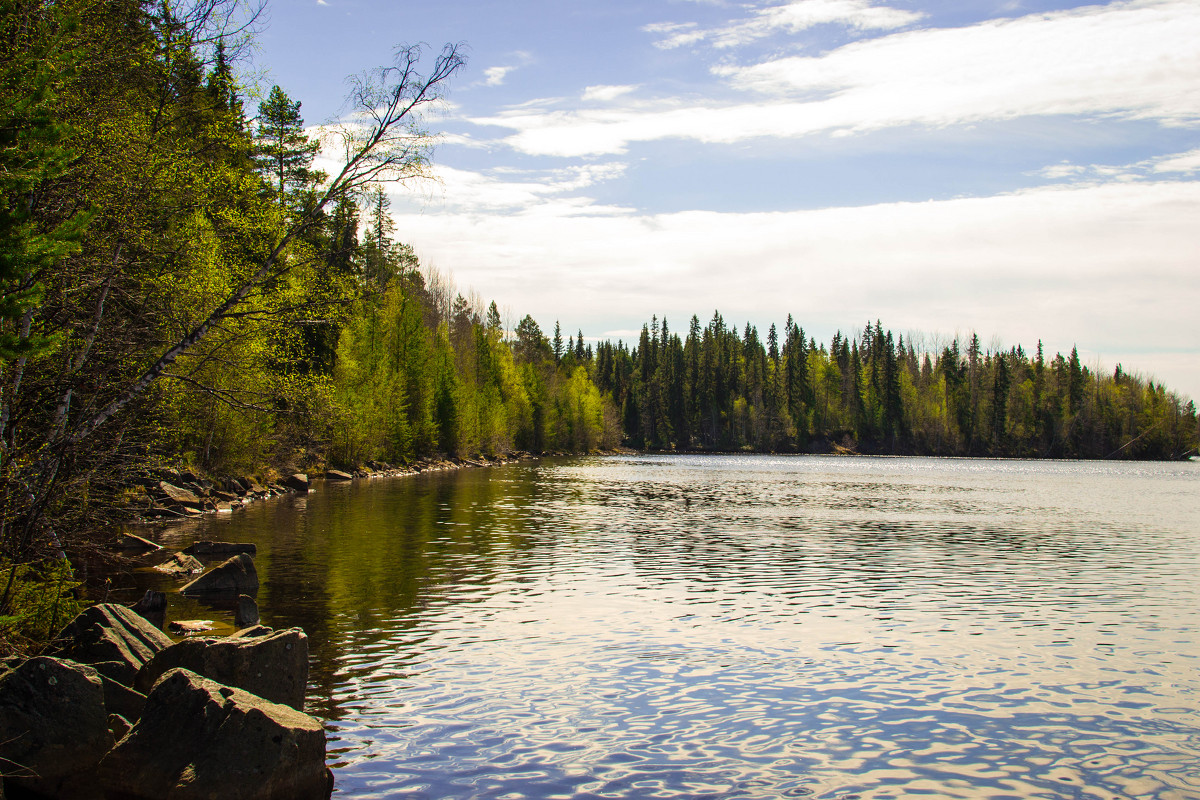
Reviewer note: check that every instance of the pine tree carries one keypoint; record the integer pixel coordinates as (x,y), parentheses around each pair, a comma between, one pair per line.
(282,151)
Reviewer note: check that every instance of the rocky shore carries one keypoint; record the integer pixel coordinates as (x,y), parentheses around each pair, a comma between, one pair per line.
(114,709)
(182,494)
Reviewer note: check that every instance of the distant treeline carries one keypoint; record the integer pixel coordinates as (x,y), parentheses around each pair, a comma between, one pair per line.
(716,388)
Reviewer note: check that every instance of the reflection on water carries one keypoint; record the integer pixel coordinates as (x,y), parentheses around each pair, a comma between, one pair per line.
(747,627)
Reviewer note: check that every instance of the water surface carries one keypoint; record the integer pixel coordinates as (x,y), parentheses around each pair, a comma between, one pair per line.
(746,627)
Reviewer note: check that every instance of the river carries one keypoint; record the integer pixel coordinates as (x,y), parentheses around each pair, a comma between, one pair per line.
(744,627)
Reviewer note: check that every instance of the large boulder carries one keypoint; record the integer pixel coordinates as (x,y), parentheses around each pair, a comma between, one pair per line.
(274,667)
(114,639)
(53,726)
(199,739)
(235,576)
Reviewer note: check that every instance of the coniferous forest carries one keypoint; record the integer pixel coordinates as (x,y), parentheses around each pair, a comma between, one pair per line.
(183,286)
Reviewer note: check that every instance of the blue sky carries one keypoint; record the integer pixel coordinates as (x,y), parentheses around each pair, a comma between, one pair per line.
(1023,170)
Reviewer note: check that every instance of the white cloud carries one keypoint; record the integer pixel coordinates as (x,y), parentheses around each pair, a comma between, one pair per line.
(494,76)
(1184,162)
(1110,268)
(606,94)
(545,193)
(1133,61)
(791,18)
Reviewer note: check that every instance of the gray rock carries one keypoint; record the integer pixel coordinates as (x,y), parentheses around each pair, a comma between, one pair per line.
(252,486)
(180,565)
(198,739)
(179,496)
(274,667)
(246,614)
(116,640)
(120,699)
(207,548)
(53,725)
(297,482)
(235,576)
(253,632)
(119,726)
(186,627)
(337,475)
(150,603)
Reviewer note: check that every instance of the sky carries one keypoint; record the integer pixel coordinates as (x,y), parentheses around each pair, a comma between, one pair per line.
(1020,169)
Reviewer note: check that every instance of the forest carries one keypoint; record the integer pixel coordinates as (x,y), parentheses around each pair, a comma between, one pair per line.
(183,286)
(719,389)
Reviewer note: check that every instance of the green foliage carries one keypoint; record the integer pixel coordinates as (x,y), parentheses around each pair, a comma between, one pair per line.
(38,599)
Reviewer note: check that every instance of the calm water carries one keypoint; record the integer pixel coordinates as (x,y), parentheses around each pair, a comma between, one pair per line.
(746,627)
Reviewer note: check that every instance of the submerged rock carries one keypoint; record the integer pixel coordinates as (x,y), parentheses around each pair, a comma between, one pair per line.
(235,576)
(274,666)
(53,726)
(199,739)
(180,565)
(114,639)
(207,548)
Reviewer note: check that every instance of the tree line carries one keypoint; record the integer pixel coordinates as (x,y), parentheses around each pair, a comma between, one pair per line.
(718,388)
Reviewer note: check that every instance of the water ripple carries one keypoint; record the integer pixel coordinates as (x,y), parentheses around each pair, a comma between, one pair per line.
(749,627)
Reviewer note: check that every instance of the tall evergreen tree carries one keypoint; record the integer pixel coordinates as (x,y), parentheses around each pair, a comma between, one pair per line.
(283,153)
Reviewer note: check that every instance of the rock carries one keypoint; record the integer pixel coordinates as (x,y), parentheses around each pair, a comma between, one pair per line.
(113,638)
(252,486)
(199,739)
(127,541)
(337,475)
(220,549)
(274,666)
(235,576)
(119,726)
(179,496)
(53,725)
(180,565)
(151,602)
(120,699)
(246,614)
(187,627)
(252,632)
(297,482)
